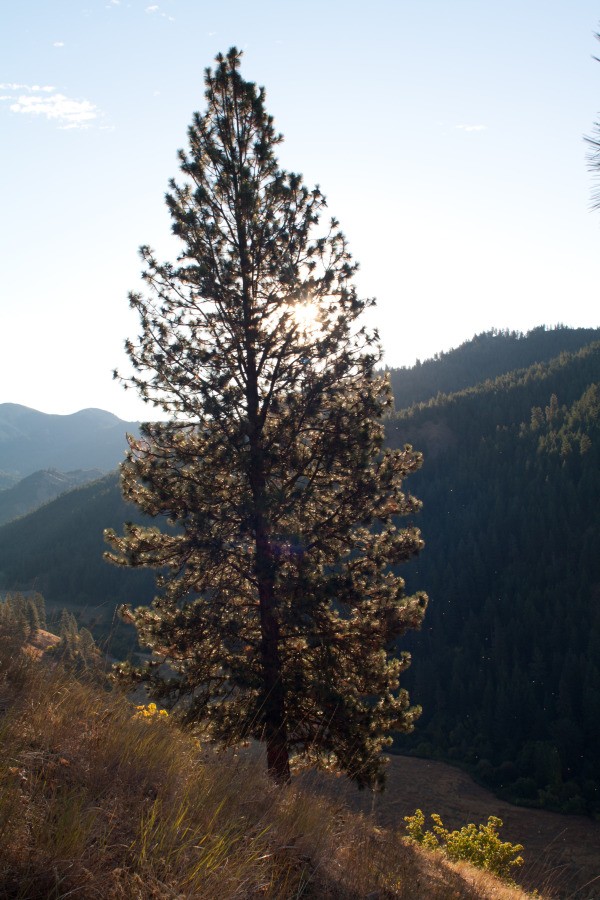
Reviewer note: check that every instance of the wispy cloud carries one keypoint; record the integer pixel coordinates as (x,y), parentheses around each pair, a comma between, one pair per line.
(58,44)
(44,100)
(471,127)
(155,8)
(11,86)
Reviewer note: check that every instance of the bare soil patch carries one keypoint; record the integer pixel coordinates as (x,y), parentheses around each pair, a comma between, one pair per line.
(40,642)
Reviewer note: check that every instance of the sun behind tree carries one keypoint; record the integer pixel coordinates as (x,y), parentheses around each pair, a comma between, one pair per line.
(278,612)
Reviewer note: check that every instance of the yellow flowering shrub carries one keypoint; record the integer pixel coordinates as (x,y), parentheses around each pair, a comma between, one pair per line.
(478,844)
(150,711)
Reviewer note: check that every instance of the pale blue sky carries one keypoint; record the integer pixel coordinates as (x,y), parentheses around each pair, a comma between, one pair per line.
(447,136)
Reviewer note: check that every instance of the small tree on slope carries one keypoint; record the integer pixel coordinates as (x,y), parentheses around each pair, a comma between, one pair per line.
(278,612)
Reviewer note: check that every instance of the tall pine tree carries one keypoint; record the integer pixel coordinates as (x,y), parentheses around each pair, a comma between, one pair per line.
(278,611)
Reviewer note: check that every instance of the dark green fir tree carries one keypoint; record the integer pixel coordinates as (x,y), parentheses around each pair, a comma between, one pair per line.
(279,611)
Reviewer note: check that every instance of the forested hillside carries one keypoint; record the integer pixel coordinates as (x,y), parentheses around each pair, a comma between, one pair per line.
(483,357)
(38,488)
(507,667)
(58,551)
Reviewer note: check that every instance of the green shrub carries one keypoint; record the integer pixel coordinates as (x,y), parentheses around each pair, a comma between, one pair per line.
(478,844)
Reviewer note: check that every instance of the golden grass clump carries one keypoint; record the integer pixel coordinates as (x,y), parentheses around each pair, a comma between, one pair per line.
(99,799)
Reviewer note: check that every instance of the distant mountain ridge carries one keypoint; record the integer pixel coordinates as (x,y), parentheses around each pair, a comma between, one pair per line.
(40,487)
(31,441)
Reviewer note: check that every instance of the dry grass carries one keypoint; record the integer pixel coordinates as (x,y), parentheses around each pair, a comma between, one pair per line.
(98,803)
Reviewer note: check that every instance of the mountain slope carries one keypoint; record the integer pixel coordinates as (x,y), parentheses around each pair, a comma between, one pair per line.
(507,667)
(58,551)
(88,439)
(484,357)
(102,800)
(38,488)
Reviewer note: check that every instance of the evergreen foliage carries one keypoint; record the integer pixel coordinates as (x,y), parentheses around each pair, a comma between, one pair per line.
(77,649)
(278,612)
(20,618)
(594,158)
(509,677)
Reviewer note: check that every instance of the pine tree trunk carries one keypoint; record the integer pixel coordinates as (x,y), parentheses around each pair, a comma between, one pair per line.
(273,699)
(273,694)
(275,732)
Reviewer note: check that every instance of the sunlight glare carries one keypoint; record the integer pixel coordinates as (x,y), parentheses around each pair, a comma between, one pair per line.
(305,315)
